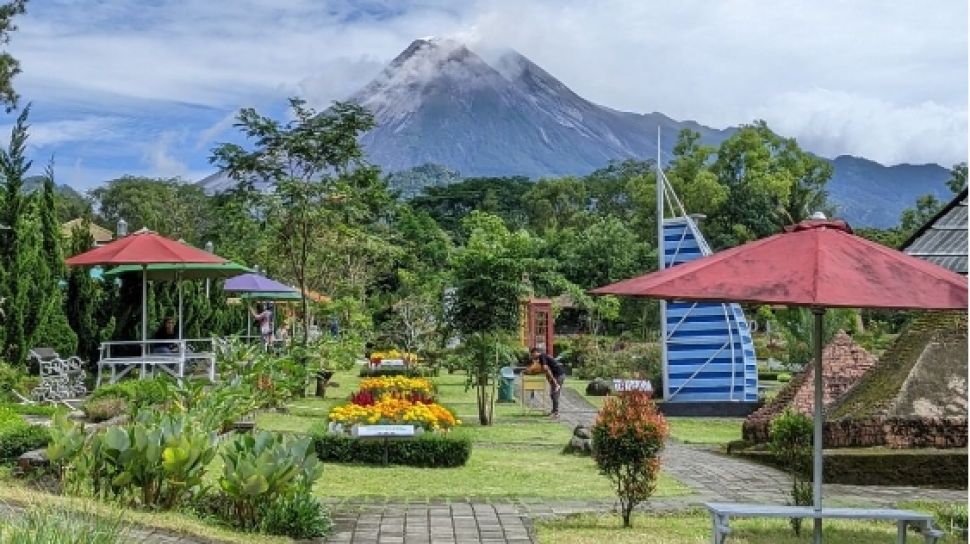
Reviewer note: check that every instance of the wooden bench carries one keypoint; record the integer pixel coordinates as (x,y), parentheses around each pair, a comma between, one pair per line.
(721,514)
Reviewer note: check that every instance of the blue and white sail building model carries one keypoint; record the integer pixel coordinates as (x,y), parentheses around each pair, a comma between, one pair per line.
(707,351)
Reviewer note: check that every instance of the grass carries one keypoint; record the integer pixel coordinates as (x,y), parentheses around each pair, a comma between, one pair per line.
(579,386)
(491,472)
(705,430)
(15,492)
(695,528)
(519,455)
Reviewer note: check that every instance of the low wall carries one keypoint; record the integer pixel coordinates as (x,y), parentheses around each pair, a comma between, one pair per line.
(891,432)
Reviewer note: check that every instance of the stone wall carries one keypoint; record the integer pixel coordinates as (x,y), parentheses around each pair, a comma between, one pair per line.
(897,432)
(844,363)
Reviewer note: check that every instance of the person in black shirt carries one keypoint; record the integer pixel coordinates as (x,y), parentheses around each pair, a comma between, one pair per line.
(166,332)
(555,373)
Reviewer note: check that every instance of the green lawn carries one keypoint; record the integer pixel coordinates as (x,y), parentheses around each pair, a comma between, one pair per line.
(519,455)
(490,472)
(695,528)
(579,386)
(705,430)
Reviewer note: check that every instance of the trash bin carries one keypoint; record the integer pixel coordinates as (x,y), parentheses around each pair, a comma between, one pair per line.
(506,384)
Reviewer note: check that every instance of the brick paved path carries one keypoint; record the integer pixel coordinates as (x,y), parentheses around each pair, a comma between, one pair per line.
(717,477)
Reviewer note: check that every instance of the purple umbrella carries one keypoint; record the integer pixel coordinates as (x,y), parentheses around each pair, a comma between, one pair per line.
(254,283)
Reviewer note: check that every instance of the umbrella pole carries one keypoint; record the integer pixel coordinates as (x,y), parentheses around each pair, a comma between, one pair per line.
(178,280)
(144,308)
(818,427)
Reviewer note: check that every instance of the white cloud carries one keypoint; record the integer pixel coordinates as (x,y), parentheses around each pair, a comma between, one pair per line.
(160,159)
(830,122)
(51,133)
(868,77)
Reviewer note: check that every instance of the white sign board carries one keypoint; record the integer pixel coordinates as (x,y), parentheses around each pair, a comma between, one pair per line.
(382,431)
(632,385)
(392,363)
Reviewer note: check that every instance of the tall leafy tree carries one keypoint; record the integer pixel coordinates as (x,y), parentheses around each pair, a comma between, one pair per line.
(489,272)
(9,66)
(315,168)
(166,206)
(762,171)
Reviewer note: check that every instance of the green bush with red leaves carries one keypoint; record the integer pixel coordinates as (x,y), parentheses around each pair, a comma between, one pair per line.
(628,437)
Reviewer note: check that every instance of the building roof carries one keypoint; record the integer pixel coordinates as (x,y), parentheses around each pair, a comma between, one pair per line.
(100,234)
(943,239)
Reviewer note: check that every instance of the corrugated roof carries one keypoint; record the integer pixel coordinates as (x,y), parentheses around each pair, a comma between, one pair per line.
(943,239)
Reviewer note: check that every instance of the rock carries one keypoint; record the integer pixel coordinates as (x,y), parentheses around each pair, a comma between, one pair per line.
(113,422)
(581,446)
(582,431)
(32,461)
(598,388)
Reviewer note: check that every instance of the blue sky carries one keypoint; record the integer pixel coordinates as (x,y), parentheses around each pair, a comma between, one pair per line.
(148,87)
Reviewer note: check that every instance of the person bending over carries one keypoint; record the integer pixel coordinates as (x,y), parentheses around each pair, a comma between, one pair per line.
(555,373)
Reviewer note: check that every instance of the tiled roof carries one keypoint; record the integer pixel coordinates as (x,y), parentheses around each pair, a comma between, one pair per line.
(943,239)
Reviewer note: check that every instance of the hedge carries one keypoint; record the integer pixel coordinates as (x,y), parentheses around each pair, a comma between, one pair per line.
(16,440)
(378,372)
(767,375)
(427,450)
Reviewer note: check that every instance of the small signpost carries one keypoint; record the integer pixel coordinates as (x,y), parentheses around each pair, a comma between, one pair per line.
(385,432)
(632,385)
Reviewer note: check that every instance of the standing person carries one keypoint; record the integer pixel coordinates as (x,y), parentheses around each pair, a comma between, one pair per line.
(265,321)
(555,373)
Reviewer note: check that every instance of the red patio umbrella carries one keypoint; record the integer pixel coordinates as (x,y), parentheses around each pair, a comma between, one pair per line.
(144,248)
(819,264)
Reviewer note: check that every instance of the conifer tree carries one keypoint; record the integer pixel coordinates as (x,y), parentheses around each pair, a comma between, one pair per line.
(14,253)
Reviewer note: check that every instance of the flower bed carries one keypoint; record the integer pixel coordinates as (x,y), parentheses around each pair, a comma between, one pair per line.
(393,400)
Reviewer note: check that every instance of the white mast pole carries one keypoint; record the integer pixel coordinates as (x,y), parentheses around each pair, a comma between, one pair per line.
(661,264)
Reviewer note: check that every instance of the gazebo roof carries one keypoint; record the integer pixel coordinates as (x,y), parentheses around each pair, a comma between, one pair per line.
(100,234)
(943,239)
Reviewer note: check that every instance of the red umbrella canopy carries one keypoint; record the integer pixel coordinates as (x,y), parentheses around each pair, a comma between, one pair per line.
(144,247)
(815,263)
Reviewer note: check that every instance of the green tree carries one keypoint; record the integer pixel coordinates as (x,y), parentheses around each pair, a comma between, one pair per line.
(555,203)
(958,177)
(769,180)
(913,218)
(166,206)
(9,66)
(488,274)
(315,168)
(82,298)
(14,251)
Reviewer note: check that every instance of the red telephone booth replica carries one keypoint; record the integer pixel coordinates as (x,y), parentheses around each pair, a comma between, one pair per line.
(536,324)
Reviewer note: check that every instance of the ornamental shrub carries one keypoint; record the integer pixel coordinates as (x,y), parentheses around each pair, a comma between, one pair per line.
(104,408)
(628,437)
(790,438)
(137,393)
(262,468)
(18,439)
(299,515)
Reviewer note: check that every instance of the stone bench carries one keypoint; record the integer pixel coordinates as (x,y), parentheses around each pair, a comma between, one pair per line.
(721,514)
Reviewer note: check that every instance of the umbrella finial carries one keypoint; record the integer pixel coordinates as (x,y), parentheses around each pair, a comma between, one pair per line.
(819,215)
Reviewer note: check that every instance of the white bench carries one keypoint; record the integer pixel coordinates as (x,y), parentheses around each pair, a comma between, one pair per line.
(172,363)
(721,514)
